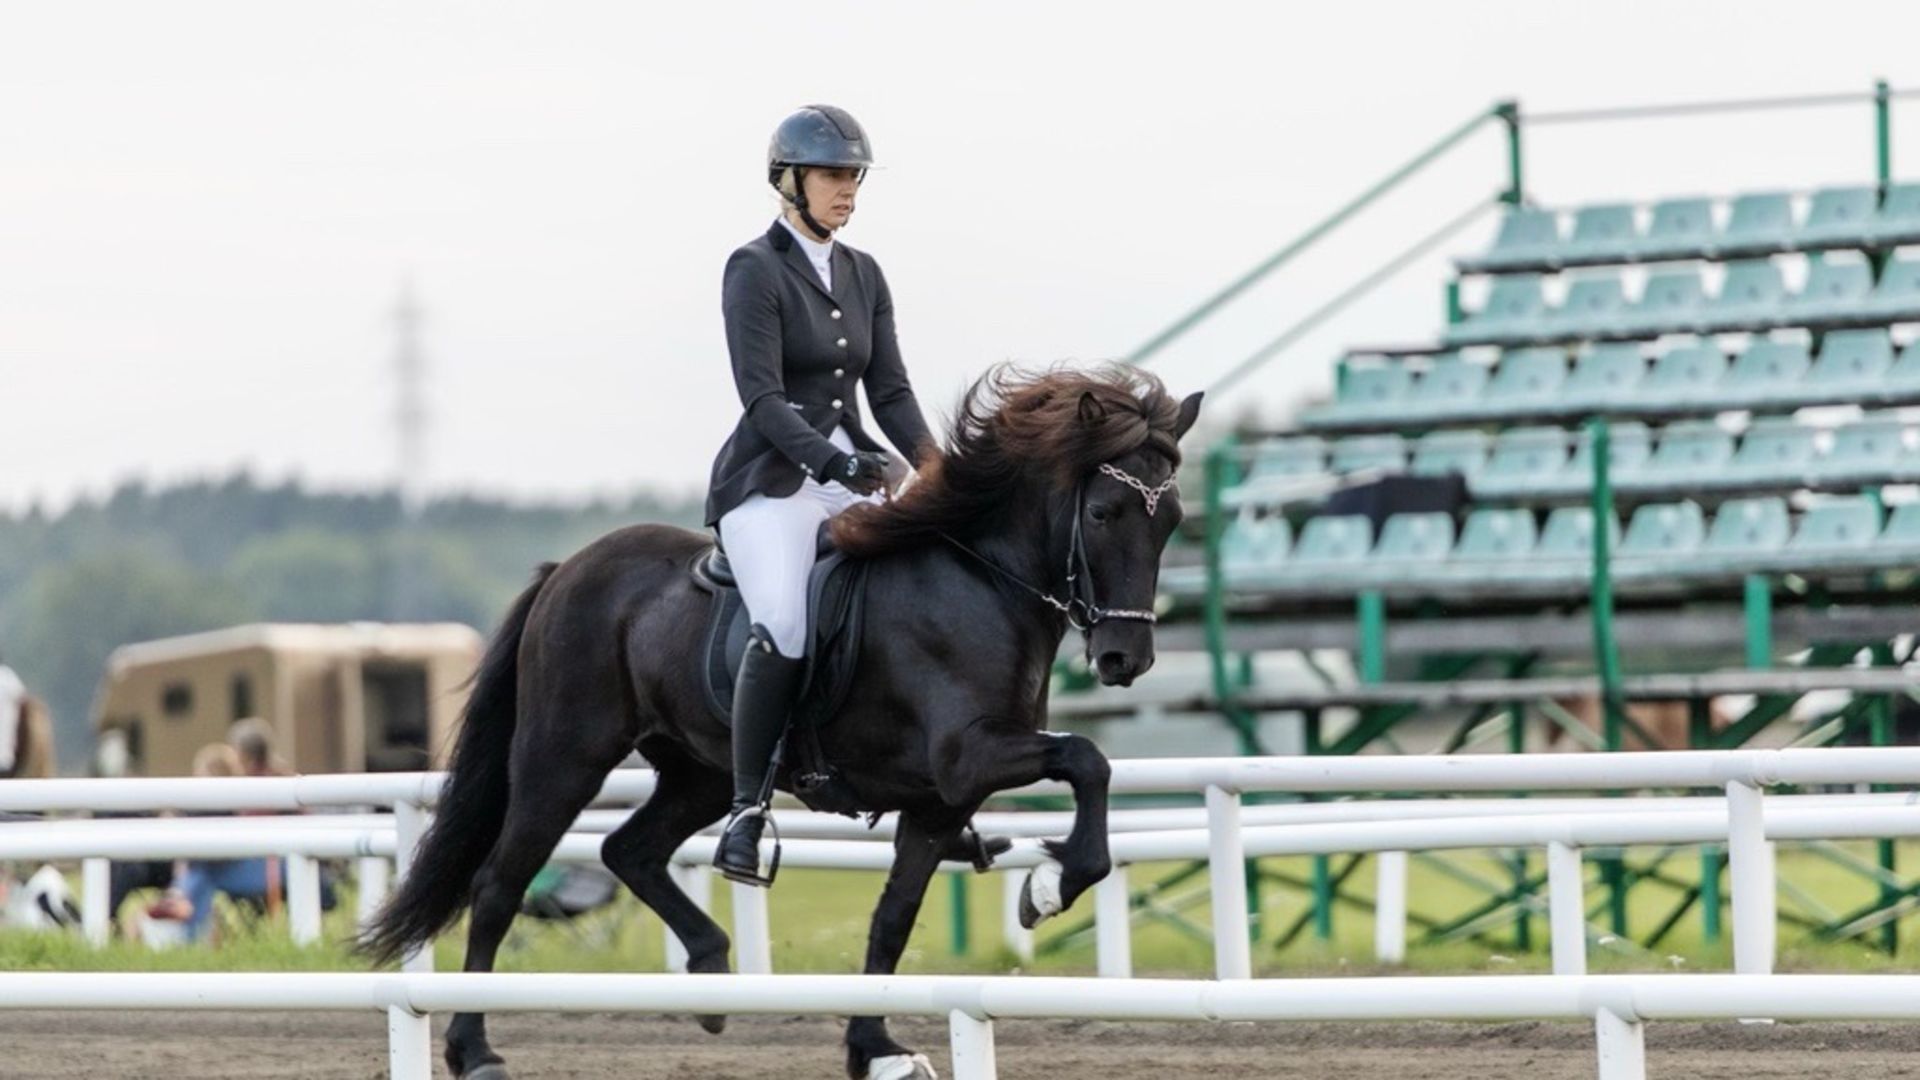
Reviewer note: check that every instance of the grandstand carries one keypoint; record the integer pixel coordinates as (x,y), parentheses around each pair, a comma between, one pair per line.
(1657,453)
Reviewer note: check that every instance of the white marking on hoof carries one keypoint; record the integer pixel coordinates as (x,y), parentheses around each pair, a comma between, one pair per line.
(901,1067)
(1043,890)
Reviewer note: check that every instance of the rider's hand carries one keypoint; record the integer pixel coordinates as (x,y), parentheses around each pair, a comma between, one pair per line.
(862,472)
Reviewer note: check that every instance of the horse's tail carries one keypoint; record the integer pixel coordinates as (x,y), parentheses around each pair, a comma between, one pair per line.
(473,804)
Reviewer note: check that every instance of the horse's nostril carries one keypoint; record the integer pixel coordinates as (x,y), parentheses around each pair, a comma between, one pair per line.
(1115,663)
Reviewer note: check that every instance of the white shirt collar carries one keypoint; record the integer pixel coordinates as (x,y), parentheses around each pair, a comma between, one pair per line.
(818,253)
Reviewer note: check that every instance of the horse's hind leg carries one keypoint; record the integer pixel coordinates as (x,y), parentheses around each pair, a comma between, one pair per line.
(687,798)
(917,848)
(547,794)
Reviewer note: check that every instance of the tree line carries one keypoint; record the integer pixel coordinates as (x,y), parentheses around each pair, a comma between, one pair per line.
(147,562)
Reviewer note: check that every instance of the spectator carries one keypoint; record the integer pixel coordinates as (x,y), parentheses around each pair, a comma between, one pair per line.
(197,881)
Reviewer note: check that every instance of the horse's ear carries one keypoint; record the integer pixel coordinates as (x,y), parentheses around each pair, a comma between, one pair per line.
(1091,411)
(1189,412)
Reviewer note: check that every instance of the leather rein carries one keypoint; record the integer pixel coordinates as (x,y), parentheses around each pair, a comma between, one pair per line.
(1080,607)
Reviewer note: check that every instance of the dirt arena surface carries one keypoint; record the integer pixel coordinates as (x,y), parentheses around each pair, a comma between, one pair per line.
(292,1046)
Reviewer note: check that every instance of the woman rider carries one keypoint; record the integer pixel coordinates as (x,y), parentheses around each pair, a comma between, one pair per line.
(807,318)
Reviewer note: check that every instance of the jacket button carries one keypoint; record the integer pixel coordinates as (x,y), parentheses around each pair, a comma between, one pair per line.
(836,313)
(836,403)
(839,372)
(842,343)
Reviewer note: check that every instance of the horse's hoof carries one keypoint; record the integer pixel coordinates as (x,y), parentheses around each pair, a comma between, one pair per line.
(1040,896)
(901,1067)
(492,1070)
(714,1025)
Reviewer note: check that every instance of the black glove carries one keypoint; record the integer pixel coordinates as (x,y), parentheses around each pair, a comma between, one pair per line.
(862,472)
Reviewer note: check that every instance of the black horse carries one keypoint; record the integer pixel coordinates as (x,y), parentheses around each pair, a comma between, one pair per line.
(1048,508)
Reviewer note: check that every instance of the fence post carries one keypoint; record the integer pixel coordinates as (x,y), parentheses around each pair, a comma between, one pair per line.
(409,824)
(96,900)
(697,883)
(752,941)
(1750,875)
(1622,1047)
(371,876)
(409,1045)
(1227,876)
(1390,908)
(303,898)
(972,1041)
(1018,939)
(1113,925)
(1566,909)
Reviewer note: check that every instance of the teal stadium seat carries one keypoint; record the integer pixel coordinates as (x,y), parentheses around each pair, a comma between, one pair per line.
(1496,536)
(1868,449)
(1514,310)
(1605,375)
(1663,532)
(1288,459)
(1834,290)
(1438,453)
(1746,530)
(1414,539)
(1371,392)
(1902,535)
(1330,545)
(1364,453)
(1629,446)
(1768,373)
(1692,453)
(1750,297)
(1903,378)
(1593,308)
(1524,461)
(1897,296)
(1680,229)
(1775,450)
(1252,544)
(1898,219)
(1526,378)
(1568,535)
(1528,238)
(1838,217)
(1838,525)
(1670,303)
(1759,223)
(1602,234)
(1685,377)
(1449,385)
(1851,363)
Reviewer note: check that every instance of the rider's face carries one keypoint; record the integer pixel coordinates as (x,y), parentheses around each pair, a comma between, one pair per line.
(831,193)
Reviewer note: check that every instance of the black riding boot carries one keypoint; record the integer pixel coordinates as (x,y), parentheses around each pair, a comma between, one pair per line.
(762,698)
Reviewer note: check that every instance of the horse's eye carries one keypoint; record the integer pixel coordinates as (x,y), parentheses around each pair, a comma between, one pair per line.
(1100,514)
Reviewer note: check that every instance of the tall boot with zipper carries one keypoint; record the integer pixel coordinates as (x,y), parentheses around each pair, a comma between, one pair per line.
(762,699)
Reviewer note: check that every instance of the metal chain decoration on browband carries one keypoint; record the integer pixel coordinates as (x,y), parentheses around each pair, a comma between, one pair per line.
(1152,495)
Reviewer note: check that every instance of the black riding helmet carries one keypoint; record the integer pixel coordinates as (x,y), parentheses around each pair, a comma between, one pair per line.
(817,135)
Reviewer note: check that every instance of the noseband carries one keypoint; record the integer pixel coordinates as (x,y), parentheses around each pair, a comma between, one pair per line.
(1080,607)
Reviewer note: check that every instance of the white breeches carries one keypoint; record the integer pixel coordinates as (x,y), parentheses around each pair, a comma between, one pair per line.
(770,545)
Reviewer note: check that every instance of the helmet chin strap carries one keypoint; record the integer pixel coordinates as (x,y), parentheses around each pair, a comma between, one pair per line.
(800,204)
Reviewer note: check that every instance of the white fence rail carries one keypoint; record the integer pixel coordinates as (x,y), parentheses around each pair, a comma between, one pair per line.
(1618,1005)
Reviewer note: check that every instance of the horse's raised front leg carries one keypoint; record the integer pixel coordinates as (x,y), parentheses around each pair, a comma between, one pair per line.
(992,756)
(917,849)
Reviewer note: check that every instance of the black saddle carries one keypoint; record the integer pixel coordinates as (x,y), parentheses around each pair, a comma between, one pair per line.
(836,591)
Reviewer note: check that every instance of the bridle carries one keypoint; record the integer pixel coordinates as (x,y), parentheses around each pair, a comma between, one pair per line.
(1081,608)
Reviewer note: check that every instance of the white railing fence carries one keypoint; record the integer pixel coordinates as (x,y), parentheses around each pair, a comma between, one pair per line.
(1618,1005)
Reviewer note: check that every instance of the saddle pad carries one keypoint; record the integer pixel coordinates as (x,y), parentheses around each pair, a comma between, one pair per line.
(836,588)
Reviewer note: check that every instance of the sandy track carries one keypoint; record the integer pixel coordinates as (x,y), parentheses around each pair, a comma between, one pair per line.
(294,1046)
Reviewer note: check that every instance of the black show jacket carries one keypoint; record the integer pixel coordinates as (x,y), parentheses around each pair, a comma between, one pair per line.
(798,351)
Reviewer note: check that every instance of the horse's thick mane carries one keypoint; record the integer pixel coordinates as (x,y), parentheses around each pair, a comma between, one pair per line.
(1014,427)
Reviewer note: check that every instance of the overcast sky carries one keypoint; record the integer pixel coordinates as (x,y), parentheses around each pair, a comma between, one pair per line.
(206,209)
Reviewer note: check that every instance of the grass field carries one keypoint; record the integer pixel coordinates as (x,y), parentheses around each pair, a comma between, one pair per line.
(819,921)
